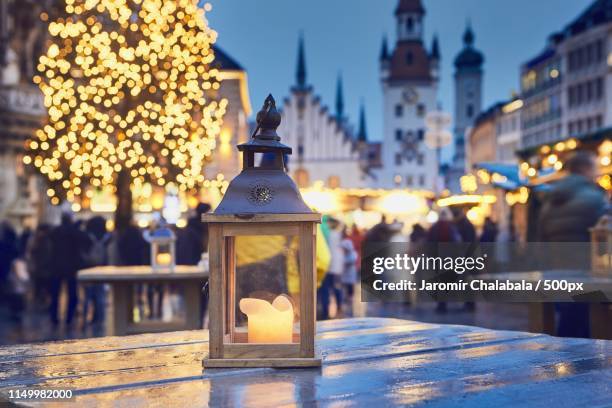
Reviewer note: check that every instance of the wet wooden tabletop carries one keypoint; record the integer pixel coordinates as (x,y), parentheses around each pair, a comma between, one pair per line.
(140,273)
(367,362)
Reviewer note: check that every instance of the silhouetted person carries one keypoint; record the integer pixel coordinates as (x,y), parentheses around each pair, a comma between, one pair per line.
(192,240)
(129,247)
(464,226)
(96,255)
(569,209)
(332,283)
(418,234)
(442,231)
(489,231)
(69,245)
(39,255)
(8,253)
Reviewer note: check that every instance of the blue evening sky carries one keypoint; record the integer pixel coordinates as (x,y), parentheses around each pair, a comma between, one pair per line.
(345,36)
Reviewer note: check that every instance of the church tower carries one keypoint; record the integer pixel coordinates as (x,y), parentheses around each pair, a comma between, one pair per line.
(468,103)
(409,80)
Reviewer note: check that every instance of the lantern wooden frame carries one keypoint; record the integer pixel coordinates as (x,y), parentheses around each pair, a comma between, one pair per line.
(224,350)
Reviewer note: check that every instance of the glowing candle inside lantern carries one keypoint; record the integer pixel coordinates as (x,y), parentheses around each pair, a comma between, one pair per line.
(163,259)
(268,323)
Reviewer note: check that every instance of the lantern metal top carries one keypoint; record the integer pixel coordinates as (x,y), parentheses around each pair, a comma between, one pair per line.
(161,234)
(265,138)
(267,188)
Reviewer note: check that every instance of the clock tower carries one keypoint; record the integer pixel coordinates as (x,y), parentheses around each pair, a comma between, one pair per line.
(409,79)
(468,104)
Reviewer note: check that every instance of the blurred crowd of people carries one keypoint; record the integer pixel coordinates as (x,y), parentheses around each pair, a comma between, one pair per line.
(345,246)
(36,265)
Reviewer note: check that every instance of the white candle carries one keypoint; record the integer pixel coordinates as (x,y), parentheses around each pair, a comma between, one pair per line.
(268,323)
(163,259)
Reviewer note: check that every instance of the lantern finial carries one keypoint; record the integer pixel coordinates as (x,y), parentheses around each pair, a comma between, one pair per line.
(268,119)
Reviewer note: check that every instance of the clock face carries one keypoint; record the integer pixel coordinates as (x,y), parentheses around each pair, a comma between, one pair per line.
(410,95)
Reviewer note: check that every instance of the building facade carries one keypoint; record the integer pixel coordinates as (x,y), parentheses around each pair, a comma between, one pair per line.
(508,131)
(587,63)
(567,89)
(468,104)
(482,138)
(409,80)
(326,150)
(542,91)
(22,38)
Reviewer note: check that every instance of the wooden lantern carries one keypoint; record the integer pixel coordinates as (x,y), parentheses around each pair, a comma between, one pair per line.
(262,303)
(163,248)
(601,246)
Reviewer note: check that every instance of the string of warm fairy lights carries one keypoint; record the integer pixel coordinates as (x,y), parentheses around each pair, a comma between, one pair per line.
(128,86)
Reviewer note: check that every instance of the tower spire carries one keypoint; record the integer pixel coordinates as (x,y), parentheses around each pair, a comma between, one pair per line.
(362,134)
(339,99)
(468,36)
(435,48)
(384,49)
(300,73)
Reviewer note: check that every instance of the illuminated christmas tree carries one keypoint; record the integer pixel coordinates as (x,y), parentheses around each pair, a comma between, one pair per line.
(131,99)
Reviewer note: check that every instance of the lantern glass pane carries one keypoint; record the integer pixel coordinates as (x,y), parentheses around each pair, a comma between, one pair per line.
(263,299)
(163,255)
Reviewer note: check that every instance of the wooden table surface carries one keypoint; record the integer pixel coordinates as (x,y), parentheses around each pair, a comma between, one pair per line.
(112,273)
(367,362)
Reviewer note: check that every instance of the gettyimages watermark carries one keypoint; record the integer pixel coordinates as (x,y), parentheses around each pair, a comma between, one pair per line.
(498,272)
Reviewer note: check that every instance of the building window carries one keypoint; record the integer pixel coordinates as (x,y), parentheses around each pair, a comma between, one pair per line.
(588,54)
(420,159)
(300,150)
(420,134)
(470,111)
(398,135)
(420,110)
(599,54)
(599,88)
(409,24)
(399,110)
(579,58)
(409,58)
(409,180)
(398,159)
(588,91)
(579,94)
(421,179)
